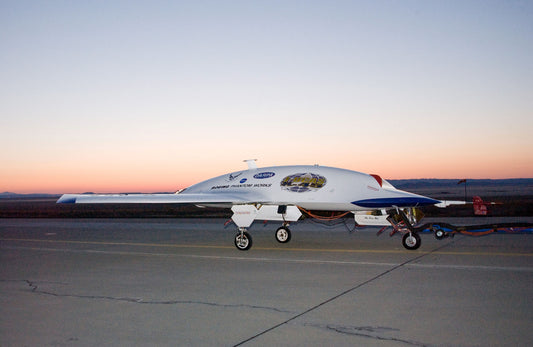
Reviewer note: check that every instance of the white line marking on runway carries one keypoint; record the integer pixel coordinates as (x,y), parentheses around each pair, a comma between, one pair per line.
(277,260)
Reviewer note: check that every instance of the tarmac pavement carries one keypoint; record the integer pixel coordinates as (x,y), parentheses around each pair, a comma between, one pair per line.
(167,282)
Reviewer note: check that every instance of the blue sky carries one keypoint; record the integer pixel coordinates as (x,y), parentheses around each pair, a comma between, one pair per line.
(172,92)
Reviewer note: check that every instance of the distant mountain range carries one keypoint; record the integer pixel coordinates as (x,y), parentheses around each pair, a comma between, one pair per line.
(407,184)
(9,195)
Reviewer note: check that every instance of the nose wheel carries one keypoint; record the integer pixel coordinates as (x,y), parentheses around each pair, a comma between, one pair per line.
(411,241)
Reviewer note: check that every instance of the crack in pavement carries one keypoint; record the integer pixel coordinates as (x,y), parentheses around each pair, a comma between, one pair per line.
(377,333)
(35,289)
(347,291)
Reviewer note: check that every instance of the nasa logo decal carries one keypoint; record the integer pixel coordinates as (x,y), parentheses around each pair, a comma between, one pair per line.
(263,175)
(303,182)
(233,176)
(243,180)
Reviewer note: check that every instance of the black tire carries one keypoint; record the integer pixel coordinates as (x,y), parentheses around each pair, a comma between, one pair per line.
(411,241)
(440,234)
(245,243)
(283,235)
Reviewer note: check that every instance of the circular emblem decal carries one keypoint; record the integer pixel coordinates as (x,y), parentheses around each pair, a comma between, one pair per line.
(303,182)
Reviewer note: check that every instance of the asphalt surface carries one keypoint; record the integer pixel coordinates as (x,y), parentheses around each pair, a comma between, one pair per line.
(167,282)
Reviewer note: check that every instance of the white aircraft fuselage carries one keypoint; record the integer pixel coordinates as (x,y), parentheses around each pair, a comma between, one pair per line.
(310,187)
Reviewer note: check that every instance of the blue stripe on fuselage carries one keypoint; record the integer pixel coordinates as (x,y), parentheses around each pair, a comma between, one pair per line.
(399,202)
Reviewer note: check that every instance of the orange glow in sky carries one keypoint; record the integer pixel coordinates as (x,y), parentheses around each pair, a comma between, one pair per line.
(107,97)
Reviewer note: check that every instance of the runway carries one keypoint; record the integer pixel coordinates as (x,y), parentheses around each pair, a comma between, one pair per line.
(167,282)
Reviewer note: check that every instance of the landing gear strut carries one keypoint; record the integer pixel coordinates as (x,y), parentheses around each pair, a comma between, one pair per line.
(410,240)
(243,240)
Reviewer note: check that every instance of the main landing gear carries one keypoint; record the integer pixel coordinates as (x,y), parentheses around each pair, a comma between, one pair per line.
(243,239)
(283,234)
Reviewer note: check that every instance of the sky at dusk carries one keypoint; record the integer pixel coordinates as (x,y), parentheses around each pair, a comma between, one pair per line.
(115,96)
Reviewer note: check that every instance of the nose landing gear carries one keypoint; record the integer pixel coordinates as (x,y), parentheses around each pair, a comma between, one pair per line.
(402,223)
(411,241)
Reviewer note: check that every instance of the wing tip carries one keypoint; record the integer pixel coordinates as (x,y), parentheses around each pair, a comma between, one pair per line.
(67,199)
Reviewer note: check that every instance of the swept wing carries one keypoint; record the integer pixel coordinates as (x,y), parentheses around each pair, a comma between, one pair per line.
(199,199)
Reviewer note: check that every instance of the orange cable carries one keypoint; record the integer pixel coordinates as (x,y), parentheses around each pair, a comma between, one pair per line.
(470,233)
(322,217)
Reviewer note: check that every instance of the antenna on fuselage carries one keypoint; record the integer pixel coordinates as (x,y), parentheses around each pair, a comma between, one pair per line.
(251,163)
